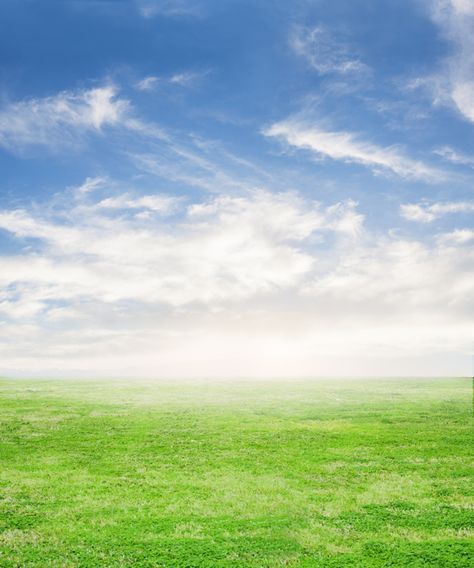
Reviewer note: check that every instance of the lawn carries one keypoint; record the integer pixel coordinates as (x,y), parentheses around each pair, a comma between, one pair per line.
(326,473)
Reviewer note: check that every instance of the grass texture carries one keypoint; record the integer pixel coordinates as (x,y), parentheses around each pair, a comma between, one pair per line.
(327,473)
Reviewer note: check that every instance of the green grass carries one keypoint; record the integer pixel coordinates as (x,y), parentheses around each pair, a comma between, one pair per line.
(359,473)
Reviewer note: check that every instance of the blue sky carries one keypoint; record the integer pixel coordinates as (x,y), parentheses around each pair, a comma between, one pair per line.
(236,188)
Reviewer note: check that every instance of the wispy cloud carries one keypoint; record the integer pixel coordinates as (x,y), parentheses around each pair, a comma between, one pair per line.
(348,147)
(168,8)
(325,53)
(455,157)
(164,204)
(61,119)
(183,79)
(426,213)
(90,184)
(63,122)
(203,164)
(148,83)
(454,84)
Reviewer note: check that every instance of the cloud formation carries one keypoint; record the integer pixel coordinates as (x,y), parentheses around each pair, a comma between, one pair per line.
(225,248)
(289,282)
(324,53)
(425,213)
(349,148)
(183,79)
(164,204)
(451,155)
(167,8)
(60,119)
(454,85)
(460,236)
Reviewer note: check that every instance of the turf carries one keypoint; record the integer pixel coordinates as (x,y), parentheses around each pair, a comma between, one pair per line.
(335,473)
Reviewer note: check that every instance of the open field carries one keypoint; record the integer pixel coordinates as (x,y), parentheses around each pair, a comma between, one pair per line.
(307,473)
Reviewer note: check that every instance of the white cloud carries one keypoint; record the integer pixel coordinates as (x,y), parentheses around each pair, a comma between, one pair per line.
(226,248)
(454,84)
(168,8)
(392,280)
(183,79)
(148,83)
(459,237)
(464,7)
(60,119)
(455,157)
(347,147)
(324,53)
(90,185)
(194,168)
(463,97)
(300,288)
(164,204)
(425,213)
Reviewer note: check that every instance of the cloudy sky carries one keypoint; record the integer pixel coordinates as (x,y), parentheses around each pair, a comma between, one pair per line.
(238,188)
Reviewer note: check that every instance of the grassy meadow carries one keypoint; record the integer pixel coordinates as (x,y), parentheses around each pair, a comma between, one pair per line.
(326,473)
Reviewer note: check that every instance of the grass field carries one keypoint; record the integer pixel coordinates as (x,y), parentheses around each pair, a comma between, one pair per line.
(308,473)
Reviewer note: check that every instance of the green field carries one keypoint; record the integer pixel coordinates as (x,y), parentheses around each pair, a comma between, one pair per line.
(327,473)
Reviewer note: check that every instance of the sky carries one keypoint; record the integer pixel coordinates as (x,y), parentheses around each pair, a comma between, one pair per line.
(236,188)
